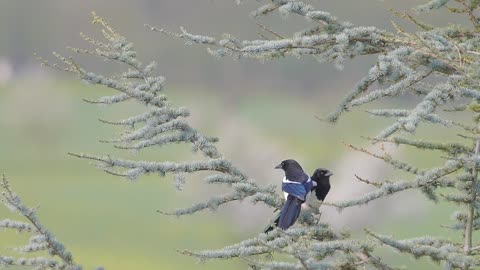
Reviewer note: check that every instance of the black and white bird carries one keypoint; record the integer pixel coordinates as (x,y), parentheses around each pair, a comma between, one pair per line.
(297,186)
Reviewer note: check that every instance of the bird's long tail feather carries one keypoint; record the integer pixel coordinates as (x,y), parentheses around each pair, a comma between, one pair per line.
(290,212)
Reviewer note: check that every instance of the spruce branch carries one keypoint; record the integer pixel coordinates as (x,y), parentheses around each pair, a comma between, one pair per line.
(436,249)
(400,165)
(453,149)
(311,253)
(42,239)
(436,177)
(397,113)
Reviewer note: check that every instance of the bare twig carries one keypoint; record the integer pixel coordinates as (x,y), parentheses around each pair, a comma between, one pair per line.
(368,181)
(471,208)
(270,31)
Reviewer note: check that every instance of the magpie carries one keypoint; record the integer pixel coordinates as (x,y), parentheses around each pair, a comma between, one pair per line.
(321,182)
(297,186)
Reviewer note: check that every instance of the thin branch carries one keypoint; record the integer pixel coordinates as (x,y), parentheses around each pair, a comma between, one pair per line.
(471,208)
(269,30)
(367,181)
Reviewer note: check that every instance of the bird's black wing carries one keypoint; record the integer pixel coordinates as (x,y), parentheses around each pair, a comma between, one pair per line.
(290,212)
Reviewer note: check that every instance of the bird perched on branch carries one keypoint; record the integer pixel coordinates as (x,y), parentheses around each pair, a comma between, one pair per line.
(297,186)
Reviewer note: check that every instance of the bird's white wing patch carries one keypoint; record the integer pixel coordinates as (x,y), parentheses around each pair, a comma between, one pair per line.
(285,180)
(309,192)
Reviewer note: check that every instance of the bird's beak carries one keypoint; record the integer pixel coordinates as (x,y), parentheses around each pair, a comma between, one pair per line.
(329,174)
(279,166)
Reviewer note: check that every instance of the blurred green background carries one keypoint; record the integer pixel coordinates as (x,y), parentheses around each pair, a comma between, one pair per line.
(262,112)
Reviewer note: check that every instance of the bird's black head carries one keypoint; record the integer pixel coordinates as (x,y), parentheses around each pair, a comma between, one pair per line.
(321,173)
(293,171)
(288,165)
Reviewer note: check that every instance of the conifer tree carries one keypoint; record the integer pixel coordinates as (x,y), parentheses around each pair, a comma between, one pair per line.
(438,64)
